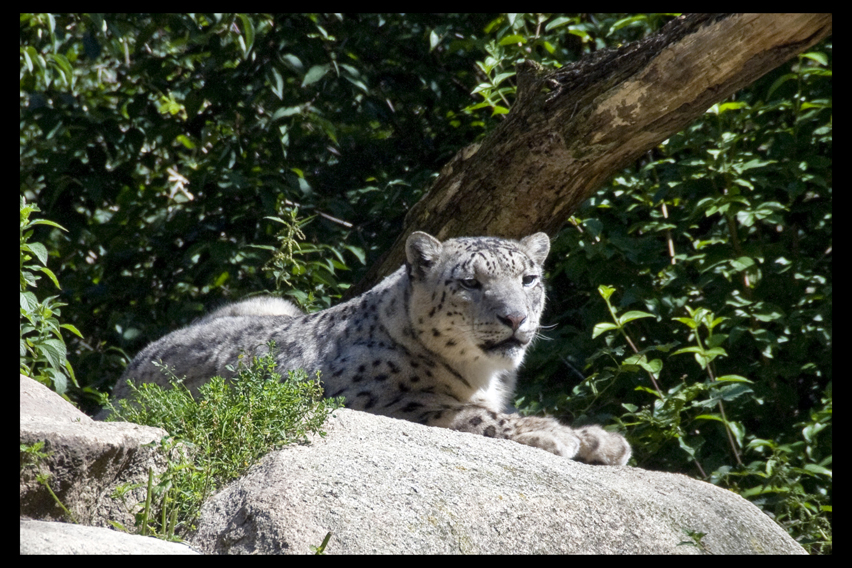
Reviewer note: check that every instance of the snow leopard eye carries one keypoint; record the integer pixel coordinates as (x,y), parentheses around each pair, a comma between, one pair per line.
(529,279)
(470,283)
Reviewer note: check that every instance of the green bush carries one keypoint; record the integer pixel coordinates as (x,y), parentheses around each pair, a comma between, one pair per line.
(43,352)
(227,429)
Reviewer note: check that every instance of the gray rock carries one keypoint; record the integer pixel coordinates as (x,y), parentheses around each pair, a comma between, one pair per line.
(88,460)
(38,401)
(39,537)
(381,485)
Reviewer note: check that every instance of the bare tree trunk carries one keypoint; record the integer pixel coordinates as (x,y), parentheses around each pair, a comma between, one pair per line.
(571,129)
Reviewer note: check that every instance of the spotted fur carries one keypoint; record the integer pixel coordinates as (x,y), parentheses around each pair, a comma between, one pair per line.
(438,342)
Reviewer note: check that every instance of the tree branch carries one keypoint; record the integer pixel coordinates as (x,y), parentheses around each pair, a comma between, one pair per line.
(571,129)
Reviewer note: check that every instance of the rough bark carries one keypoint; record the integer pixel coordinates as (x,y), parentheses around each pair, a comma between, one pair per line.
(571,129)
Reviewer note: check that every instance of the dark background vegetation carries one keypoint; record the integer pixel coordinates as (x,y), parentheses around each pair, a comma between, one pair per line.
(163,142)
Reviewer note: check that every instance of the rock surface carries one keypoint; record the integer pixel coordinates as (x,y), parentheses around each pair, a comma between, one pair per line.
(39,537)
(381,485)
(88,460)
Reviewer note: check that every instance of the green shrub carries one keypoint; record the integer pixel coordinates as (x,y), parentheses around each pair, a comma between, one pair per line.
(231,425)
(43,352)
(311,282)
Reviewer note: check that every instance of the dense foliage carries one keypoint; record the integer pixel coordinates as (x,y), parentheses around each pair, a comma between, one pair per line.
(173,146)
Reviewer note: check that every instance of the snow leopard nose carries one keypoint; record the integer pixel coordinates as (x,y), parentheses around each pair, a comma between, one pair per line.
(513,320)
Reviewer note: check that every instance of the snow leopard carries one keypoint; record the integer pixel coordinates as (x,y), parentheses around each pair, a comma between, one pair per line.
(438,342)
(257,306)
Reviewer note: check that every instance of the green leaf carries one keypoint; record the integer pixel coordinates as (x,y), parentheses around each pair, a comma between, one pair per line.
(763,490)
(687,321)
(688,350)
(605,291)
(624,22)
(709,417)
(809,432)
(557,22)
(778,82)
(27,60)
(724,107)
(358,252)
(54,350)
(37,249)
(732,392)
(286,111)
(817,56)
(725,393)
(29,302)
(602,328)
(755,163)
(814,468)
(633,315)
(60,383)
(72,329)
(582,34)
(221,279)
(49,273)
(654,366)
(434,40)
(686,447)
(64,66)
(761,443)
(293,61)
(742,263)
(502,77)
(478,106)
(511,39)
(248,30)
(738,431)
(649,391)
(185,141)
(733,379)
(278,87)
(716,352)
(314,74)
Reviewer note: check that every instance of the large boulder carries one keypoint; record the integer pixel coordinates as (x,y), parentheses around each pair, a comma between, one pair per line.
(381,485)
(378,485)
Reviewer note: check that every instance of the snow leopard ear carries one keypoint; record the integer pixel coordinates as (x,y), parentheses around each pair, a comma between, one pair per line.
(422,251)
(536,246)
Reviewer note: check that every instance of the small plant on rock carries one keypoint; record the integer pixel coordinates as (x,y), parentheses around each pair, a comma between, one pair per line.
(228,428)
